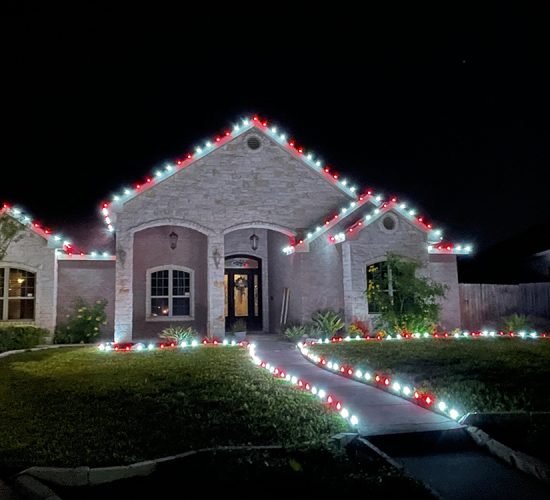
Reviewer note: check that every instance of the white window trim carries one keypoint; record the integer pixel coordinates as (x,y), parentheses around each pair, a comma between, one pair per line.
(170,317)
(5,298)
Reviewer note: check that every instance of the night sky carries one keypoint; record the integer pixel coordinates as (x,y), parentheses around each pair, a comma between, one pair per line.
(454,120)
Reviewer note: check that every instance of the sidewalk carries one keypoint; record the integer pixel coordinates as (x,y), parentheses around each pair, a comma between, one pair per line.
(379,412)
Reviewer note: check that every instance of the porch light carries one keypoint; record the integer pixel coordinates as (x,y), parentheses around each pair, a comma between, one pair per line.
(254,241)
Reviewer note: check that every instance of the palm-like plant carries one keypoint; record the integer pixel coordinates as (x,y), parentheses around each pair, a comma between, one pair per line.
(328,322)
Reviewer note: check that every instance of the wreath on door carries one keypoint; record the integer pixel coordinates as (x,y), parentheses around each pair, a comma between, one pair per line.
(241,285)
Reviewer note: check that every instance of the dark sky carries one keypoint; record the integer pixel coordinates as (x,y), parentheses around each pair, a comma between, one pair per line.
(455,119)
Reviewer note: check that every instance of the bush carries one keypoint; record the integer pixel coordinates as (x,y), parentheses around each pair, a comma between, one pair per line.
(179,333)
(328,322)
(358,327)
(515,323)
(83,324)
(295,333)
(519,322)
(21,337)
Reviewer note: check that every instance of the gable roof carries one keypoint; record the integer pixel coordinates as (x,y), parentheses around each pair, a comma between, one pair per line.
(358,199)
(63,247)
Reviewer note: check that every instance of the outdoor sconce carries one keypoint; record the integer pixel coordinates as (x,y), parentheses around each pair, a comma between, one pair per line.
(217,258)
(254,241)
(173,240)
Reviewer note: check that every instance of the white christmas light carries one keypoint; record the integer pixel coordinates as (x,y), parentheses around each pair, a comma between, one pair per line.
(322,394)
(442,406)
(294,379)
(396,386)
(352,189)
(453,414)
(367,376)
(354,420)
(194,343)
(151,347)
(344,412)
(406,390)
(358,373)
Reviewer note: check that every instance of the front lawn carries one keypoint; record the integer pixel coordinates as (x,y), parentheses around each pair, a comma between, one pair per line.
(469,374)
(71,407)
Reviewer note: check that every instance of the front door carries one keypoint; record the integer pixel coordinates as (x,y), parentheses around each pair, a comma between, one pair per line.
(243,291)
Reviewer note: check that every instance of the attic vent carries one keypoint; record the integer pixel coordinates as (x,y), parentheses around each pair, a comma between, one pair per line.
(253,142)
(388,222)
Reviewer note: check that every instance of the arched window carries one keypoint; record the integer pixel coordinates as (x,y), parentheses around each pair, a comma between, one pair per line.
(17,294)
(379,275)
(170,293)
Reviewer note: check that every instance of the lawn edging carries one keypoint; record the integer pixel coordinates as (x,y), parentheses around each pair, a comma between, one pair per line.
(40,348)
(519,460)
(93,476)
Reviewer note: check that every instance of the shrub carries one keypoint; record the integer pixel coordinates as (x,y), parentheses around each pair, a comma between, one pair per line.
(179,333)
(518,322)
(21,337)
(515,323)
(413,305)
(358,327)
(296,332)
(83,325)
(328,322)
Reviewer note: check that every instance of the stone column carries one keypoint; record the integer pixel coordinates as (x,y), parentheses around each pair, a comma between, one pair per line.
(123,287)
(355,303)
(216,293)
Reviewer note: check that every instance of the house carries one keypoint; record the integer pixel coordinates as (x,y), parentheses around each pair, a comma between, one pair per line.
(249,225)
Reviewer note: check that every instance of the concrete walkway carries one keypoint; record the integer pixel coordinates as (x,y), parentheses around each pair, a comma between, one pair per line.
(379,412)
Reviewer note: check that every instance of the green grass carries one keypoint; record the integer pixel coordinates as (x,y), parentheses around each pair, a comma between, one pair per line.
(469,374)
(69,407)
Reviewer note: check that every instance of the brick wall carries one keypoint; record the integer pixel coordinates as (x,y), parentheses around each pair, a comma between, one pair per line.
(91,281)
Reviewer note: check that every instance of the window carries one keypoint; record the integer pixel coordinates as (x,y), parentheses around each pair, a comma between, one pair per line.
(379,275)
(17,294)
(169,293)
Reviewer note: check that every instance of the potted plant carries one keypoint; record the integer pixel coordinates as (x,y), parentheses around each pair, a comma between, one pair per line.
(238,329)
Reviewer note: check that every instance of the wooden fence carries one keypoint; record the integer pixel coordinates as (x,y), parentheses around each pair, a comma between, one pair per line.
(480,303)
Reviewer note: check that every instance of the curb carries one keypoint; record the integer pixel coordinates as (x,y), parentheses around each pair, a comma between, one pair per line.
(519,460)
(40,348)
(34,489)
(92,476)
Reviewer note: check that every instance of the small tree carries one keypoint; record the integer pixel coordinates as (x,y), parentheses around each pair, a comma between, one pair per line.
(10,230)
(407,302)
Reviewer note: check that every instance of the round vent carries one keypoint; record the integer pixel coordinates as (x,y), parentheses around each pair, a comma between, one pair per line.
(389,223)
(253,142)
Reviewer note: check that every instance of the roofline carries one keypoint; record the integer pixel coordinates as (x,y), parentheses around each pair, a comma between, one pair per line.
(62,246)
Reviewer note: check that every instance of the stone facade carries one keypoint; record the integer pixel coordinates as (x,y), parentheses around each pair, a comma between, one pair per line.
(31,253)
(214,205)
